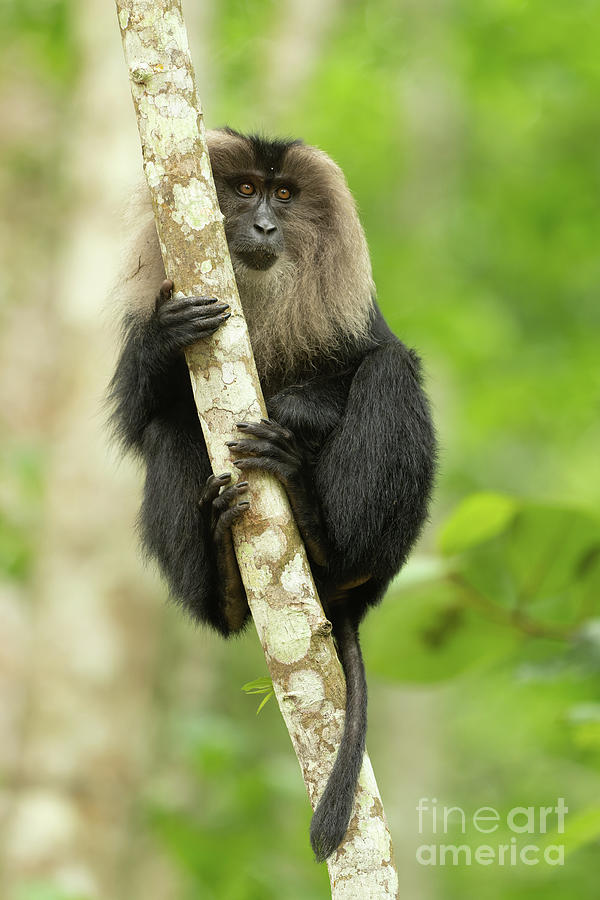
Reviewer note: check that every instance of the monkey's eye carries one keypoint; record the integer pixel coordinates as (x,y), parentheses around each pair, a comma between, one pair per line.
(246,188)
(283,193)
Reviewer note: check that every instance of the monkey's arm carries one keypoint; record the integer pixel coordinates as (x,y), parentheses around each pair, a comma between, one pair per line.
(185,518)
(135,391)
(288,448)
(274,449)
(151,373)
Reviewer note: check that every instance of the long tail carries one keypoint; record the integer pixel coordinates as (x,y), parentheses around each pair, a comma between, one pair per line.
(332,815)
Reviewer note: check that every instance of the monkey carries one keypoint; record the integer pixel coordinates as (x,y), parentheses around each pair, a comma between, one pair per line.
(349,431)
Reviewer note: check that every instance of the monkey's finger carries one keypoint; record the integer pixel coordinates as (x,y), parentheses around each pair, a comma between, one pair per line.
(277,427)
(258,447)
(228,495)
(227,518)
(166,289)
(197,329)
(164,294)
(188,302)
(212,486)
(183,304)
(181,338)
(169,318)
(285,473)
(280,435)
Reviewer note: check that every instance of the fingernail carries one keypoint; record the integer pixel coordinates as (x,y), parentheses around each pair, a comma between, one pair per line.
(242,424)
(224,476)
(231,443)
(242,484)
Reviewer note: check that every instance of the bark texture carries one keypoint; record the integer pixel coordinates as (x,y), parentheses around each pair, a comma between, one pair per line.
(294,633)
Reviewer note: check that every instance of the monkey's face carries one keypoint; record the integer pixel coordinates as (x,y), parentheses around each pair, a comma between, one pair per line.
(299,254)
(256,205)
(274,196)
(291,226)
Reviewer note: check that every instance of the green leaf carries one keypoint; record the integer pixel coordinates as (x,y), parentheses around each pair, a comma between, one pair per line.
(262,685)
(477,519)
(545,566)
(265,700)
(258,686)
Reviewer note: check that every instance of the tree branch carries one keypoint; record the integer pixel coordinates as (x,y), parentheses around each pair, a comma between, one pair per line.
(294,633)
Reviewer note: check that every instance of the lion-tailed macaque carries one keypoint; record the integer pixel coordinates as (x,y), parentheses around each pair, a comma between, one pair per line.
(349,433)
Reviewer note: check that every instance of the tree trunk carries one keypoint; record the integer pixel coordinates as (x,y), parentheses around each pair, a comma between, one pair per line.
(294,633)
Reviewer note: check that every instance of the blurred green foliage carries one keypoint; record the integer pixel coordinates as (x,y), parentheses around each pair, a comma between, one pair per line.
(469,134)
(43,32)
(233,834)
(40,890)
(536,576)
(21,495)
(511,614)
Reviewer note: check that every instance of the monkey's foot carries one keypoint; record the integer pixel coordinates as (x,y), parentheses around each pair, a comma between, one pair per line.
(223,511)
(219,504)
(273,448)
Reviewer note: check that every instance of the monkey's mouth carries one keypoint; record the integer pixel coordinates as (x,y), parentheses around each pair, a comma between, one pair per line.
(259,257)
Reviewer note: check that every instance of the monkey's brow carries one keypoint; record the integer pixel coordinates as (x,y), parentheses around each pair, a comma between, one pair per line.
(262,176)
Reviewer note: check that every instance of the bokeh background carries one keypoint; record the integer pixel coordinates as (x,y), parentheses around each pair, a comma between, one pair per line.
(132,764)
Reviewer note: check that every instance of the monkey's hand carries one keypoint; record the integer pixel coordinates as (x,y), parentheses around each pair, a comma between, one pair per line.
(221,510)
(273,448)
(184,321)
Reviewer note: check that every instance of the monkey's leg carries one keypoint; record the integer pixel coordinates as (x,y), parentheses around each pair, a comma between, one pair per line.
(274,449)
(219,506)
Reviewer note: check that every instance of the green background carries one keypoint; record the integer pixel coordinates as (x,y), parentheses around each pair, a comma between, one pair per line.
(469,134)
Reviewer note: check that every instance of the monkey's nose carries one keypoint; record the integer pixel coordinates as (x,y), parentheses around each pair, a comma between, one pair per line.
(265,226)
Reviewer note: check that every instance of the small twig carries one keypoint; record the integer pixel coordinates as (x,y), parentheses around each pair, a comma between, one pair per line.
(512,618)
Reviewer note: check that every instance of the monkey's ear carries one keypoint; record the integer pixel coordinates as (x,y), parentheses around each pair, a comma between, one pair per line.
(229,151)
